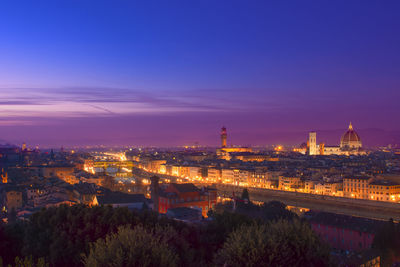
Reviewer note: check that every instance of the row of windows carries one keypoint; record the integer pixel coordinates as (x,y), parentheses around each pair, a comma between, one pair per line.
(355,181)
(355,190)
(258,176)
(381,198)
(363,185)
(371,186)
(379,187)
(379,193)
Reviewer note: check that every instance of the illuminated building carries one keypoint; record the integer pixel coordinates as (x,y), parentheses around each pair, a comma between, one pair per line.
(302,149)
(184,171)
(350,139)
(246,156)
(214,175)
(241,177)
(259,178)
(194,172)
(13,199)
(224,151)
(223,137)
(175,170)
(331,150)
(313,143)
(85,193)
(186,195)
(384,190)
(309,186)
(236,149)
(350,144)
(227,175)
(163,169)
(289,183)
(4,177)
(356,187)
(330,189)
(155,165)
(117,164)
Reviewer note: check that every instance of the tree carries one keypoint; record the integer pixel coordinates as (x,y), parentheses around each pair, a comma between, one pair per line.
(29,262)
(275,210)
(62,234)
(387,242)
(280,243)
(133,247)
(245,194)
(11,241)
(12,216)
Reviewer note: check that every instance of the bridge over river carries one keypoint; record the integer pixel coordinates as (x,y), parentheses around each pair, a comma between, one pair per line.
(355,207)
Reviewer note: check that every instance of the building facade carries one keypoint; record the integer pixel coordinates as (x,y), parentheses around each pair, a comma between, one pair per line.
(289,183)
(384,190)
(356,187)
(350,144)
(186,195)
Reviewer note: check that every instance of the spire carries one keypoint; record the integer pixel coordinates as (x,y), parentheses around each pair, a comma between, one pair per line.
(350,127)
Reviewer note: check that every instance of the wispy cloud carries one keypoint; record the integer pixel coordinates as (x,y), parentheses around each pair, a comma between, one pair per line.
(78,102)
(17,105)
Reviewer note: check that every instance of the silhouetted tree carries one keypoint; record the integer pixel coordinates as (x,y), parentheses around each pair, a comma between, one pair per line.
(11,241)
(245,194)
(279,243)
(275,210)
(12,216)
(133,247)
(60,235)
(387,242)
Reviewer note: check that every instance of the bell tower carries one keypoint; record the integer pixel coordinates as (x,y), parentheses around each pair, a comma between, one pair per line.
(313,143)
(224,136)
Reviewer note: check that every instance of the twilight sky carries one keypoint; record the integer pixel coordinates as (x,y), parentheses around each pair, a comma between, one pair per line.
(166,73)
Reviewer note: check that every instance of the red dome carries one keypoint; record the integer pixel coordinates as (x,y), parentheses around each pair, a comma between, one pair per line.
(350,138)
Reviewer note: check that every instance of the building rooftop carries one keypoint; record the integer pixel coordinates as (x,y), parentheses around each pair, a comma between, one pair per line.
(85,188)
(384,182)
(344,221)
(357,178)
(185,188)
(120,198)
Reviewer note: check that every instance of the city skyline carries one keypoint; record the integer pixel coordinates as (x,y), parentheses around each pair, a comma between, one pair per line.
(167,75)
(199,133)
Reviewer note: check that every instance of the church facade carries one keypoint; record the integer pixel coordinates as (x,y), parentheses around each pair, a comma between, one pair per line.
(350,144)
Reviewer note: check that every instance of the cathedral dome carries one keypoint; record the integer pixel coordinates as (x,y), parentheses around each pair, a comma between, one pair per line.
(350,139)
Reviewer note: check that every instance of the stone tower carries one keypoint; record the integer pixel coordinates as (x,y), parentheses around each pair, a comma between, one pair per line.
(224,136)
(313,143)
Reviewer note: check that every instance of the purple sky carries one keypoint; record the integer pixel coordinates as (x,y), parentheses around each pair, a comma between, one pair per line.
(97,72)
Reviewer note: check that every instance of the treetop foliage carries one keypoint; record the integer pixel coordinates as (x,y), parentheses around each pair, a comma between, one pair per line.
(278,243)
(134,247)
(105,236)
